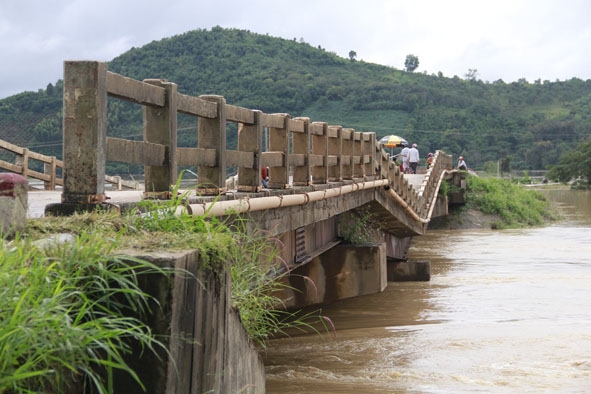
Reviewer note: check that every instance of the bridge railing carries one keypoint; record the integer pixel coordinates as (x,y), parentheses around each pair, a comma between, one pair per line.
(312,153)
(21,165)
(431,182)
(52,168)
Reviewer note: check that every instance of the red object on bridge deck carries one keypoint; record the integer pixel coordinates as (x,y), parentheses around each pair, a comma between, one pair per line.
(9,182)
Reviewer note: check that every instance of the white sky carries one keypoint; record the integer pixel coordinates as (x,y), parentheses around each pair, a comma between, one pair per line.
(502,39)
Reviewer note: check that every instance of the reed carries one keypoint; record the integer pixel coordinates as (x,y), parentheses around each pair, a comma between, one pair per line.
(69,312)
(257,272)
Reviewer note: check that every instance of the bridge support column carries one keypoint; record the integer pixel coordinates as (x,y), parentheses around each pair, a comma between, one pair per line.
(342,272)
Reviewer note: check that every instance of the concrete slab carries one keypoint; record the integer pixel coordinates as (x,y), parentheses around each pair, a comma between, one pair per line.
(39,199)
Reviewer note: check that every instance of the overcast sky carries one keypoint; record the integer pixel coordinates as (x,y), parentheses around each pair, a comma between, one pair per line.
(501,39)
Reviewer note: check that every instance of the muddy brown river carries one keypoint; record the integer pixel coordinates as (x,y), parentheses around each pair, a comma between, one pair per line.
(506,311)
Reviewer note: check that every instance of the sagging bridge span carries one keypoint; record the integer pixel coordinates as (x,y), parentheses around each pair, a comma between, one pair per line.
(321,175)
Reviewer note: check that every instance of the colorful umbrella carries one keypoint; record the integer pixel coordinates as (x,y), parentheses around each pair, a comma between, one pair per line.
(393,141)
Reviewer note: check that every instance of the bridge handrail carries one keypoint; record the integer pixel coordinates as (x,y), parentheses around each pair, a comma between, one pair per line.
(435,173)
(311,152)
(21,165)
(52,167)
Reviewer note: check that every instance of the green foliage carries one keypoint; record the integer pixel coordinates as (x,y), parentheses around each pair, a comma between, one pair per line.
(357,228)
(444,189)
(411,63)
(49,129)
(253,257)
(573,164)
(67,315)
(515,205)
(258,274)
(483,121)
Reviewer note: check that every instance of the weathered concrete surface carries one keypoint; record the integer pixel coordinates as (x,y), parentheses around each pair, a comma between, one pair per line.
(208,349)
(342,272)
(39,199)
(13,203)
(407,271)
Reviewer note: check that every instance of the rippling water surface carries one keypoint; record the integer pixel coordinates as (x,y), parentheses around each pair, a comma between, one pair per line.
(505,312)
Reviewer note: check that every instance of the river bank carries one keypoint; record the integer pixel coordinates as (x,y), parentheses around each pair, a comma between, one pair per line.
(493,203)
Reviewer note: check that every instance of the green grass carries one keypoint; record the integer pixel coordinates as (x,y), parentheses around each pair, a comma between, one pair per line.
(70,311)
(515,205)
(257,270)
(67,314)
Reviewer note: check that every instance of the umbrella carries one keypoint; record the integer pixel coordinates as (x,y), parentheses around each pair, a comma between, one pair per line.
(393,141)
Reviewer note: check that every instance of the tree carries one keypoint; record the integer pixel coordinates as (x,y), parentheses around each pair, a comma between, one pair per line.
(471,74)
(411,63)
(505,165)
(573,164)
(352,55)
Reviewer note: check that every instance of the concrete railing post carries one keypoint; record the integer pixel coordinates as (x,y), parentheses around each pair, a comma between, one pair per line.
(85,132)
(279,142)
(160,127)
(357,155)
(335,150)
(211,134)
(250,139)
(318,132)
(50,169)
(369,149)
(301,145)
(347,136)
(23,162)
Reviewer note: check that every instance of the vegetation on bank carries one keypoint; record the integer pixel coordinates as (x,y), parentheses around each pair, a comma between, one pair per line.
(514,205)
(70,308)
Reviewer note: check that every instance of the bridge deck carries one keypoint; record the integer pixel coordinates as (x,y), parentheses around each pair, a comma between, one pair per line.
(38,199)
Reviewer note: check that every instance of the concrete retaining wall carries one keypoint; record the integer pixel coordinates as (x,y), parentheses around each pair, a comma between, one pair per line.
(208,349)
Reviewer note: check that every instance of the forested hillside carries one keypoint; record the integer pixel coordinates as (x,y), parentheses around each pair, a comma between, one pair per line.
(528,124)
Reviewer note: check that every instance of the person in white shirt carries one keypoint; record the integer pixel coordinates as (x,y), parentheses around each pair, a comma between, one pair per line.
(462,164)
(413,158)
(404,158)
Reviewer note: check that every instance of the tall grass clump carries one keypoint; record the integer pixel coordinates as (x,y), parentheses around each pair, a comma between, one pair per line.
(68,315)
(257,272)
(514,204)
(71,312)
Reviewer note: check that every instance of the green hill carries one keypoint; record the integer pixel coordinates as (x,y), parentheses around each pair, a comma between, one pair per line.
(531,124)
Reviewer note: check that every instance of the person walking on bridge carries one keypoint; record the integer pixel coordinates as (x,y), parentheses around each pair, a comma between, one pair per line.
(404,156)
(413,158)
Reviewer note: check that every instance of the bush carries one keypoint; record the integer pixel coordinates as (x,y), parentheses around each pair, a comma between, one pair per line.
(515,205)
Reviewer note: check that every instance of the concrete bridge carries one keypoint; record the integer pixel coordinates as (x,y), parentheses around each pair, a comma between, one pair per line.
(322,177)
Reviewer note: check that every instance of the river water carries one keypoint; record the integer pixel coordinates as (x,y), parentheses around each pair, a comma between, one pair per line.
(506,311)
